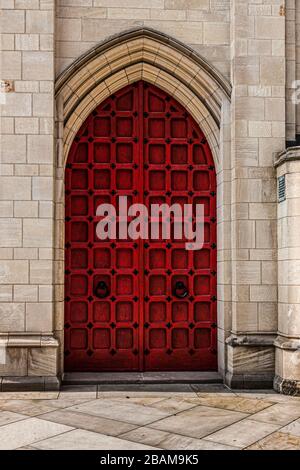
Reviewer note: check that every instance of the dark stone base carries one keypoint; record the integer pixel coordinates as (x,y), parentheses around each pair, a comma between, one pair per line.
(287,387)
(29,384)
(114,378)
(249,382)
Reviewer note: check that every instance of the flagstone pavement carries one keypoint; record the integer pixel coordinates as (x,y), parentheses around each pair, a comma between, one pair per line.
(174,417)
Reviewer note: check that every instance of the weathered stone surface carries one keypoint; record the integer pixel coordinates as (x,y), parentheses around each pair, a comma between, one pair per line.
(42,362)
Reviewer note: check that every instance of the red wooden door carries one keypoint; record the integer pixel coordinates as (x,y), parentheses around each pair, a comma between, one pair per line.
(146,304)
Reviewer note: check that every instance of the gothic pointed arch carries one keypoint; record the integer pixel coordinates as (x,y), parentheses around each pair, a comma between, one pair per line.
(142,54)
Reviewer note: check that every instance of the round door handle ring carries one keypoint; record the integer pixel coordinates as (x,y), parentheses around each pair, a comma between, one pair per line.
(101,290)
(180,290)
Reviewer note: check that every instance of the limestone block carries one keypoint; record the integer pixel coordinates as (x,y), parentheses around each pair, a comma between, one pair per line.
(275,109)
(6,209)
(26,126)
(26,86)
(246,234)
(290,273)
(46,293)
(272,71)
(17,104)
(267,317)
(46,126)
(14,272)
(45,253)
(23,293)
(7,169)
(6,253)
(26,209)
(289,319)
(68,29)
(292,185)
(42,361)
(269,272)
(250,108)
(39,317)
(260,10)
(38,65)
(37,233)
(12,317)
(245,317)
(10,65)
(7,42)
(13,149)
(159,14)
(263,293)
(41,22)
(241,294)
(6,125)
(262,211)
(279,129)
(263,255)
(258,47)
(137,14)
(25,253)
(46,42)
(287,364)
(269,27)
(266,234)
(10,232)
(46,209)
(41,272)
(46,170)
(248,272)
(27,4)
(15,188)
(130,3)
(40,148)
(15,363)
(247,150)
(27,42)
(5,293)
(249,190)
(269,190)
(47,4)
(216,33)
(7,4)
(42,188)
(243,360)
(47,87)
(12,20)
(262,91)
(260,129)
(43,105)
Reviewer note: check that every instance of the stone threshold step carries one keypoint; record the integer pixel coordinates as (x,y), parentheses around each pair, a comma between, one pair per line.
(100,378)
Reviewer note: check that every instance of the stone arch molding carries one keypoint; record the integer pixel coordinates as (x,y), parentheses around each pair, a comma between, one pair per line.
(141,54)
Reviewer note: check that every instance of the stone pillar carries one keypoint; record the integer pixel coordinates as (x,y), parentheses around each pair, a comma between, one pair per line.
(258,130)
(287,379)
(26,196)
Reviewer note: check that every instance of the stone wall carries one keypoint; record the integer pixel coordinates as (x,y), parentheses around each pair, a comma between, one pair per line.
(201,24)
(26,189)
(258,132)
(288,341)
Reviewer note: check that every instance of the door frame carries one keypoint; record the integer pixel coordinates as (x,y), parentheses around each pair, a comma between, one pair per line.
(206,96)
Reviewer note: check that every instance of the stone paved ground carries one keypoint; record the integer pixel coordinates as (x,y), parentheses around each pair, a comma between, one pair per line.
(149,417)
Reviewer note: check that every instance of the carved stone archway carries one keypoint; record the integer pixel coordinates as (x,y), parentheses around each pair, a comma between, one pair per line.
(144,54)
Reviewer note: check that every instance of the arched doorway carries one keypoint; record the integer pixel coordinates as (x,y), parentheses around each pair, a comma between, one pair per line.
(140,143)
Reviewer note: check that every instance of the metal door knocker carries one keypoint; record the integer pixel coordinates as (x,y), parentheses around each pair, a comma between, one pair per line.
(180,290)
(101,290)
